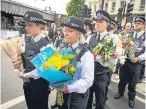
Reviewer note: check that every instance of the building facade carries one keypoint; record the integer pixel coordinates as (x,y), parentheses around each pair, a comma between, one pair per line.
(112,6)
(12,10)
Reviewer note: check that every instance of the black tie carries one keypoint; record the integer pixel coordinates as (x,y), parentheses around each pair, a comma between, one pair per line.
(136,36)
(70,47)
(98,37)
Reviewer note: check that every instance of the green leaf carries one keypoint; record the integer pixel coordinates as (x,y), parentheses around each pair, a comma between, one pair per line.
(112,67)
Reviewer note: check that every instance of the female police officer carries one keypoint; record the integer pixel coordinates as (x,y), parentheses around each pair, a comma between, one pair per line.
(35,90)
(84,75)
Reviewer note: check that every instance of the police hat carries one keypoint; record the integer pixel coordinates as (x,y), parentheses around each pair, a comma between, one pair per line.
(31,16)
(102,15)
(75,23)
(88,22)
(113,22)
(139,19)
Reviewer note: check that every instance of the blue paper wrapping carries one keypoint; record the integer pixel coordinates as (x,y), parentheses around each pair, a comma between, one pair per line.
(54,76)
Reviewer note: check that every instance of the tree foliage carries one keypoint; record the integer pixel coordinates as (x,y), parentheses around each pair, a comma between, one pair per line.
(74,8)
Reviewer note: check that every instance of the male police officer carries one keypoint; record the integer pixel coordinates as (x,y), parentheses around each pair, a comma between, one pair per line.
(36,91)
(101,69)
(130,71)
(127,30)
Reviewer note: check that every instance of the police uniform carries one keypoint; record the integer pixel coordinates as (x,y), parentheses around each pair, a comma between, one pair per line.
(130,71)
(78,88)
(140,36)
(36,91)
(114,23)
(101,69)
(89,33)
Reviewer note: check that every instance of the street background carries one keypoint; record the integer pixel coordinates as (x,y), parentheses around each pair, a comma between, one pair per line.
(12,96)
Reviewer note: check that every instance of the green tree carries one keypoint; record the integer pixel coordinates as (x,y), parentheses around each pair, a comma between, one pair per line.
(74,8)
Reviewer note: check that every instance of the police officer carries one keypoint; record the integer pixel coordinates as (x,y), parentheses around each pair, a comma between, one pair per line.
(127,30)
(114,26)
(88,26)
(112,29)
(78,89)
(101,69)
(130,71)
(36,91)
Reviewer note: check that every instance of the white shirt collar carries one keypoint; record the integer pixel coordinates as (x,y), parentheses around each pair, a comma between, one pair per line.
(102,34)
(75,45)
(38,37)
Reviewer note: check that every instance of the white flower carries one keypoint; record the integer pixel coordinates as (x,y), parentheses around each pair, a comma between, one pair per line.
(122,59)
(107,39)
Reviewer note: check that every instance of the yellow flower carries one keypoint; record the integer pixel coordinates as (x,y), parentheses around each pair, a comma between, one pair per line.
(130,42)
(58,67)
(119,43)
(72,69)
(56,61)
(65,62)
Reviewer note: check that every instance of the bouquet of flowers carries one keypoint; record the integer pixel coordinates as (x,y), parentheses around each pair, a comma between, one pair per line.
(61,62)
(127,44)
(56,67)
(106,51)
(12,49)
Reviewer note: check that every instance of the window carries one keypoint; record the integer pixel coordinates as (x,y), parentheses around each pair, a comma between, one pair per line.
(142,4)
(106,6)
(122,4)
(113,6)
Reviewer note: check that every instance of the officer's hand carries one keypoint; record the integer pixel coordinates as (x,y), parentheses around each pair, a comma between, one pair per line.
(62,89)
(21,69)
(21,75)
(16,65)
(135,60)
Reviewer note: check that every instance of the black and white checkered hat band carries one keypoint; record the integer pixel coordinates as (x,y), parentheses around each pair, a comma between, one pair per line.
(36,19)
(74,25)
(101,16)
(138,19)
